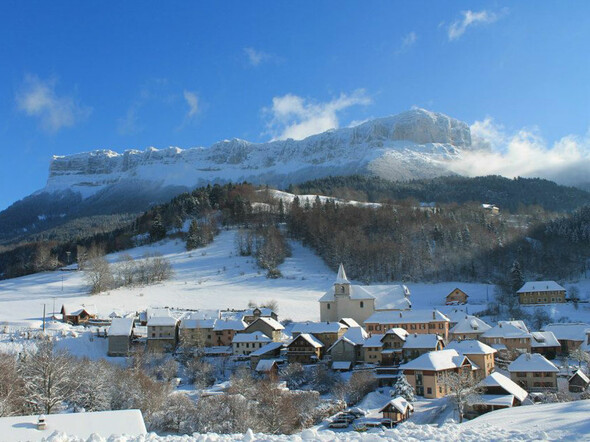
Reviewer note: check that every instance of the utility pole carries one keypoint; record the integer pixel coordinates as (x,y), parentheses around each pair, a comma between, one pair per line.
(43,318)
(53,313)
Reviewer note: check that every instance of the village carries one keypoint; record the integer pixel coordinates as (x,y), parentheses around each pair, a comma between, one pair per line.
(412,355)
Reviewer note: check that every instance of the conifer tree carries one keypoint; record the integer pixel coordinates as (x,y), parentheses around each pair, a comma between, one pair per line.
(403,388)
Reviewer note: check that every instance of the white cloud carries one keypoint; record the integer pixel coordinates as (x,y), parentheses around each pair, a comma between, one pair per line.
(525,153)
(256,57)
(37,98)
(470,18)
(295,117)
(193,103)
(407,42)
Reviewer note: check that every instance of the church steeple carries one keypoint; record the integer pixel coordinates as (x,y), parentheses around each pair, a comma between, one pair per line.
(341,278)
(342,284)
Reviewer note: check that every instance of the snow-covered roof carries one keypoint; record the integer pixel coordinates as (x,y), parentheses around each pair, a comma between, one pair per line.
(457,314)
(390,297)
(75,310)
(341,339)
(374,341)
(400,404)
(341,365)
(197,323)
(358,335)
(544,339)
(436,361)
(310,339)
(161,321)
(264,311)
(121,327)
(356,292)
(349,322)
(470,324)
(505,400)
(406,317)
(507,329)
(581,374)
(79,426)
(276,325)
(341,277)
(497,379)
(569,331)
(230,324)
(399,332)
(317,327)
(265,365)
(471,347)
(256,336)
(540,286)
(422,341)
(534,362)
(271,346)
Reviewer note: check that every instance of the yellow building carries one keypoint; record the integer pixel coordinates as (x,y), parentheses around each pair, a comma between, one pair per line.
(541,292)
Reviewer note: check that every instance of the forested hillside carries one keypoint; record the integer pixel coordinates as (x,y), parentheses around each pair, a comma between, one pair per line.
(508,194)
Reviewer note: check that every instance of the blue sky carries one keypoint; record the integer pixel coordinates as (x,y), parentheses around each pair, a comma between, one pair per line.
(77,76)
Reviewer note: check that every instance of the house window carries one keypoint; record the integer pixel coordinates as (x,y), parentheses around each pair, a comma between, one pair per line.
(429,390)
(362,304)
(328,306)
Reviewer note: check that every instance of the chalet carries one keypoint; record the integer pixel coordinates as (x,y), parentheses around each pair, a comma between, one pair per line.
(545,343)
(570,335)
(498,392)
(534,372)
(457,296)
(425,373)
(196,332)
(305,349)
(77,314)
(413,321)
(541,292)
(508,336)
(245,343)
(394,341)
(347,300)
(268,368)
(251,315)
(578,382)
(272,350)
(479,353)
(267,325)
(396,410)
(162,333)
(416,345)
(470,327)
(120,334)
(326,332)
(224,331)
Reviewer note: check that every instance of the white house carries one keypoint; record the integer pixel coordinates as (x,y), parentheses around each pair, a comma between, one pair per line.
(245,343)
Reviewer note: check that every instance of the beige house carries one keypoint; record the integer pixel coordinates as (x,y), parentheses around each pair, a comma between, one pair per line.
(162,333)
(349,348)
(425,373)
(479,353)
(245,343)
(267,325)
(457,296)
(470,327)
(534,372)
(541,292)
(508,336)
(413,321)
(571,335)
(393,341)
(326,332)
(196,332)
(372,349)
(224,331)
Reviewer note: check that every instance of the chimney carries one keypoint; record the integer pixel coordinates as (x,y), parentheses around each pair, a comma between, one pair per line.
(41,425)
(400,314)
(434,314)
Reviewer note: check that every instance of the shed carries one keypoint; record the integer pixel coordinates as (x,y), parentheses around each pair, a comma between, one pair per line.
(578,382)
(119,335)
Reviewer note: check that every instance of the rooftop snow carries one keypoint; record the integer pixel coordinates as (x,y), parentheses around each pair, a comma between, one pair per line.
(406,317)
(573,331)
(265,365)
(276,325)
(470,324)
(356,335)
(540,286)
(497,379)
(544,339)
(507,329)
(309,338)
(534,362)
(436,361)
(271,346)
(471,347)
(121,327)
(257,336)
(422,341)
(161,321)
(317,327)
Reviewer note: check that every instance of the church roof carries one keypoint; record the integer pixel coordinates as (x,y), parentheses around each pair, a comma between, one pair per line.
(341,278)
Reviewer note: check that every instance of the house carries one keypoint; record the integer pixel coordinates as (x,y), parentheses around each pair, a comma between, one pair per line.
(349,347)
(396,410)
(534,372)
(120,334)
(372,350)
(245,343)
(541,292)
(426,373)
(77,426)
(268,368)
(456,314)
(326,332)
(251,315)
(479,353)
(77,314)
(578,382)
(224,331)
(498,392)
(457,296)
(272,350)
(393,340)
(470,327)
(347,300)
(267,325)
(545,343)
(413,321)
(508,336)
(416,345)
(569,334)
(305,349)
(194,331)
(162,333)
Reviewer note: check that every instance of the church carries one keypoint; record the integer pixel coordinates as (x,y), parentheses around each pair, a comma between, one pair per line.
(346,300)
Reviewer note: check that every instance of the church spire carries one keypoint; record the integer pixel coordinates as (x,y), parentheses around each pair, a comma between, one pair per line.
(341,278)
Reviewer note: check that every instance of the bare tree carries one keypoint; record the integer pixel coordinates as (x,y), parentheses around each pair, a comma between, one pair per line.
(11,386)
(99,275)
(462,388)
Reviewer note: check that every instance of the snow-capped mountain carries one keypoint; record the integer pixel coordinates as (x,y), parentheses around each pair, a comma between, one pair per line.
(413,144)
